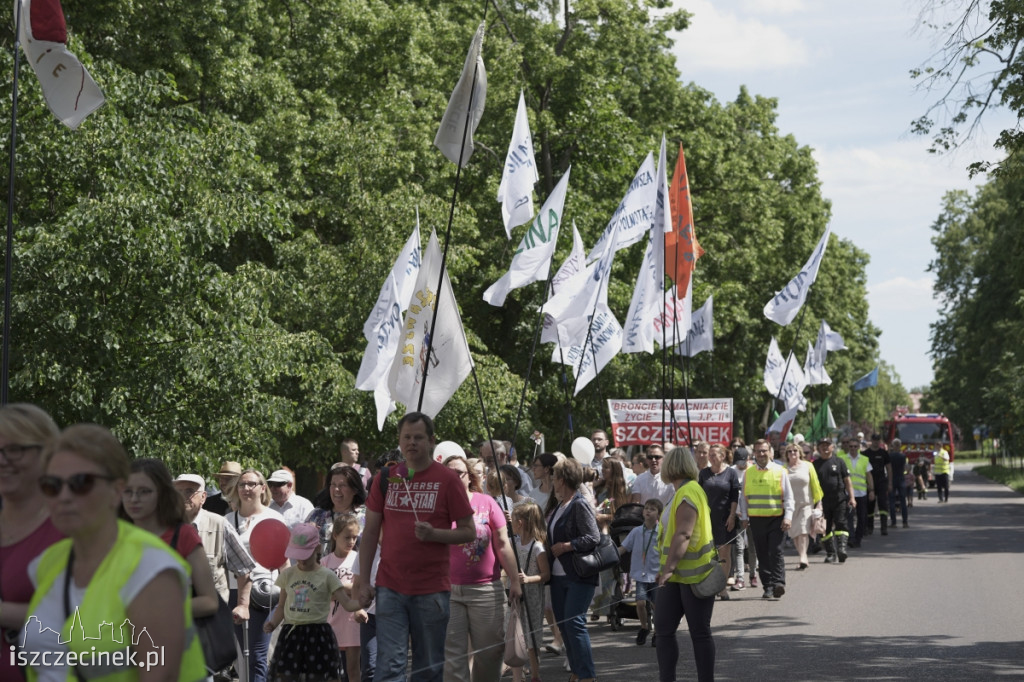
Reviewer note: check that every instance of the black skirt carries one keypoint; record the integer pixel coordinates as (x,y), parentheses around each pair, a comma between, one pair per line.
(306,653)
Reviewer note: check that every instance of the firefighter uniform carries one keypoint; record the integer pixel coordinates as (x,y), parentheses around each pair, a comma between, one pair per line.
(832,476)
(881,464)
(857,518)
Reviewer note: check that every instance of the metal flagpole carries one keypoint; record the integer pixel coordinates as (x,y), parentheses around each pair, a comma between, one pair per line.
(5,361)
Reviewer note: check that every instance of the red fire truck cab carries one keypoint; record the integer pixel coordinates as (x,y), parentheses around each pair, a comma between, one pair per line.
(921,435)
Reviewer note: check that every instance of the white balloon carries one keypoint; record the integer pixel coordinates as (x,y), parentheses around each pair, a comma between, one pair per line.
(583,450)
(446,449)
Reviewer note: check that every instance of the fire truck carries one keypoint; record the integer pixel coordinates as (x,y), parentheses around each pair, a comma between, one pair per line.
(921,434)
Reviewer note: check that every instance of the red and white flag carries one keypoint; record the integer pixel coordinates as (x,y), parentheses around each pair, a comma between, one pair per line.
(69,90)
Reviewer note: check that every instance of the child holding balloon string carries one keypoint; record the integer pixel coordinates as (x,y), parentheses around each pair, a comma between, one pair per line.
(307,648)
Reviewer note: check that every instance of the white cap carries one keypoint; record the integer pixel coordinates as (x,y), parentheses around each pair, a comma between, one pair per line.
(281,476)
(192,478)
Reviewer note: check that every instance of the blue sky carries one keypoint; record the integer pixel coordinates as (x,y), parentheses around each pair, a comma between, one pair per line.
(840,72)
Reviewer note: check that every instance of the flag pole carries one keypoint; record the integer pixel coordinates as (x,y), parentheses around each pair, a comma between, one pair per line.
(550,288)
(448,230)
(5,362)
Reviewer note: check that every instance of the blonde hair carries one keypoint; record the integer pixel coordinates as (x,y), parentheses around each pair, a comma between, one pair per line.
(265,495)
(533,519)
(94,443)
(679,465)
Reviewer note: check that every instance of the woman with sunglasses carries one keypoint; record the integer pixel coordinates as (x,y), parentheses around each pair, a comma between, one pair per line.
(343,496)
(253,500)
(150,501)
(106,571)
(25,525)
(808,494)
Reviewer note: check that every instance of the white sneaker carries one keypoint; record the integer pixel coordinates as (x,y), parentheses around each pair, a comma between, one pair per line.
(565,665)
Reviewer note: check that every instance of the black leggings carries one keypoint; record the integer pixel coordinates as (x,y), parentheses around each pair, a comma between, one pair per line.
(672,602)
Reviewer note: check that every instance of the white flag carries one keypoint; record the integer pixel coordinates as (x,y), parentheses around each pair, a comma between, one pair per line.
(532,260)
(635,212)
(519,175)
(467,102)
(68,89)
(701,335)
(814,368)
(450,361)
(793,385)
(784,306)
(829,339)
(380,353)
(650,281)
(383,328)
(784,423)
(404,272)
(773,367)
(605,342)
(572,311)
(675,318)
(571,277)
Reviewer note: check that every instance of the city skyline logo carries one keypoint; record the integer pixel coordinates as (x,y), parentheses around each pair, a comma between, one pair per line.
(59,654)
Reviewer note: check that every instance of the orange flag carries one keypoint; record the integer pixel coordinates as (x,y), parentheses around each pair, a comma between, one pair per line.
(681,247)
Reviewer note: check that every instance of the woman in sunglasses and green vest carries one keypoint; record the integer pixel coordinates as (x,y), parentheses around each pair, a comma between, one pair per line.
(110,602)
(688,552)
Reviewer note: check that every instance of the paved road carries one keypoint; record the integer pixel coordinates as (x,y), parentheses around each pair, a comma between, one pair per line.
(941,600)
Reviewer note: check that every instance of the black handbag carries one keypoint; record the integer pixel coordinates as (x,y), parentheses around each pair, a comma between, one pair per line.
(216,633)
(217,636)
(601,558)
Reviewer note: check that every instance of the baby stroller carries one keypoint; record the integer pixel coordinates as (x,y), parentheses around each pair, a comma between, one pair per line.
(627,517)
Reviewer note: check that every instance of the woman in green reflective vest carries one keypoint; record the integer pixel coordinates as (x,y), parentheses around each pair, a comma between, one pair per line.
(687,557)
(110,602)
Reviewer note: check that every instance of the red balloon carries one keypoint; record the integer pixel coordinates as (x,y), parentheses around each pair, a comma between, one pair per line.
(268,541)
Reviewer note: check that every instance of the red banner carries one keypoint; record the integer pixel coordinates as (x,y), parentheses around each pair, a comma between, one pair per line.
(642,421)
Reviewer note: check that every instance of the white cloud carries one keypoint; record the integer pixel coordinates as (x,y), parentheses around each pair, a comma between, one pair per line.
(902,294)
(723,41)
(773,6)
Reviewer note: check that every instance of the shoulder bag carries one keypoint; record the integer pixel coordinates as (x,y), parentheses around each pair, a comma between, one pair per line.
(516,654)
(216,632)
(713,582)
(602,557)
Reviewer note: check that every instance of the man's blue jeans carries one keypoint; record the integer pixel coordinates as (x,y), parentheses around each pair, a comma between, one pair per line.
(570,600)
(421,617)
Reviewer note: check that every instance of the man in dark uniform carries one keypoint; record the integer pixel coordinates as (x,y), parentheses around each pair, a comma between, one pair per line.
(881,471)
(834,477)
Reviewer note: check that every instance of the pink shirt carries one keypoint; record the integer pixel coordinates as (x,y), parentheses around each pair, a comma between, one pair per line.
(407,565)
(476,563)
(15,585)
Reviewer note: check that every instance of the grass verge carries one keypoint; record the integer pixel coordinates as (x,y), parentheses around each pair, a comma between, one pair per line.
(1011,477)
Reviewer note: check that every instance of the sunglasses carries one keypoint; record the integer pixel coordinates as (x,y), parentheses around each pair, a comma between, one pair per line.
(78,484)
(654,457)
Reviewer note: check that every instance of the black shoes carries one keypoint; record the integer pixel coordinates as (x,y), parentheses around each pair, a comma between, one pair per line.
(641,636)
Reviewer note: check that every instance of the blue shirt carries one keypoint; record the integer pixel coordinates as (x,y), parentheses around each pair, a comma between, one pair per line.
(644,561)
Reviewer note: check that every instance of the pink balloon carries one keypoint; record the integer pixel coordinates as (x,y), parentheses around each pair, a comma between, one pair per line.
(268,541)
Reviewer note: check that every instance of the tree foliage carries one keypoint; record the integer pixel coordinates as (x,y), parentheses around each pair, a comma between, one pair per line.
(975,343)
(194,265)
(980,68)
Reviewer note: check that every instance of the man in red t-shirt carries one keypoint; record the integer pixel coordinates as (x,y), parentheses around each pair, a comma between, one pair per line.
(412,513)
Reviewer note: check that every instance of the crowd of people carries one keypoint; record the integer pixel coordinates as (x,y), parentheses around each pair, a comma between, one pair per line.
(412,560)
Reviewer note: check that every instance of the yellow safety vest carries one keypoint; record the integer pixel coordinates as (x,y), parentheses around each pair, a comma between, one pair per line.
(108,660)
(941,464)
(763,490)
(858,473)
(698,560)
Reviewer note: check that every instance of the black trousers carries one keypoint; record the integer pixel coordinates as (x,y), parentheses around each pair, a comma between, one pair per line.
(856,519)
(768,543)
(835,512)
